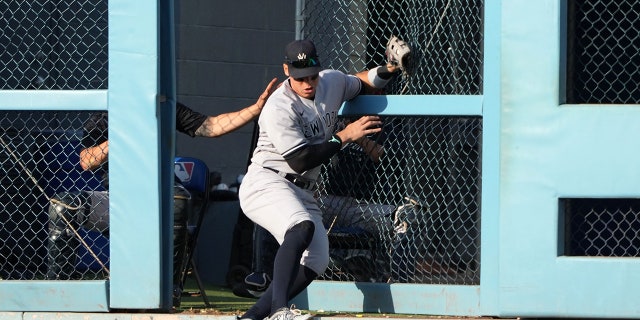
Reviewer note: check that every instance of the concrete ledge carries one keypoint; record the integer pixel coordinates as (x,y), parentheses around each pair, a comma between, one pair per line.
(180,316)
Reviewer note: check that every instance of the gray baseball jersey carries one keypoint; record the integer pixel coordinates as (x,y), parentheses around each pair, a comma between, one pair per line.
(289,122)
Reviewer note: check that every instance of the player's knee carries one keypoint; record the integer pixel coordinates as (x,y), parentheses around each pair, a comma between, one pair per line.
(323,263)
(304,230)
(318,262)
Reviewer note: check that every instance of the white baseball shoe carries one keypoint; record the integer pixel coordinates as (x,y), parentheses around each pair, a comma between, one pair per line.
(292,313)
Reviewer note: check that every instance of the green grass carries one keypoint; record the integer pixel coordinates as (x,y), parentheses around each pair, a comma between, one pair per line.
(224,302)
(221,299)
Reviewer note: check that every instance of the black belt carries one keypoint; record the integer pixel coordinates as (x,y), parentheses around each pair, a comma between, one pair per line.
(296,180)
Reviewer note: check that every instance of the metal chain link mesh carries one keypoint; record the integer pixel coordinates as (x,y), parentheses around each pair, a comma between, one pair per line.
(50,45)
(39,156)
(47,44)
(412,217)
(445,37)
(421,218)
(54,216)
(602,227)
(603,40)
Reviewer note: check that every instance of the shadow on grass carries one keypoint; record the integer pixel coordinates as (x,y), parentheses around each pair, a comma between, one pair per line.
(221,299)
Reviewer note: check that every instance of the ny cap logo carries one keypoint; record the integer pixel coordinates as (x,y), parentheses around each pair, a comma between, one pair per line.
(302,56)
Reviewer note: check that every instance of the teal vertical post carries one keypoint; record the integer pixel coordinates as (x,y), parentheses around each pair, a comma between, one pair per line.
(137,262)
(166,116)
(491,110)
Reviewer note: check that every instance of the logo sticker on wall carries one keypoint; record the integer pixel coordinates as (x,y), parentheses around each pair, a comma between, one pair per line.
(184,170)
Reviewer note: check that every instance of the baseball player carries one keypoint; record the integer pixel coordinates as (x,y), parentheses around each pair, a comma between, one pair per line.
(90,208)
(297,134)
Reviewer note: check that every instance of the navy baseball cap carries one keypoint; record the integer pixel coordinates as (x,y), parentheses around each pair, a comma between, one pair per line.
(302,59)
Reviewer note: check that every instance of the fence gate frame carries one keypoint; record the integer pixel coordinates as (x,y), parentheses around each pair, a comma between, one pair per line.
(457,300)
(142,137)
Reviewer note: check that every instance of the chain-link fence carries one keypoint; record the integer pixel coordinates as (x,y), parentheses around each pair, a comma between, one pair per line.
(445,37)
(39,157)
(603,38)
(413,216)
(47,44)
(601,227)
(45,230)
(54,199)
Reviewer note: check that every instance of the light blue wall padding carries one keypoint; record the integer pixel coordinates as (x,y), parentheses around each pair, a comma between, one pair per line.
(399,105)
(53,99)
(550,150)
(135,156)
(45,295)
(491,150)
(390,298)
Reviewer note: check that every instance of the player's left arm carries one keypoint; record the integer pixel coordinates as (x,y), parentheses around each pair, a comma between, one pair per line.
(377,78)
(398,54)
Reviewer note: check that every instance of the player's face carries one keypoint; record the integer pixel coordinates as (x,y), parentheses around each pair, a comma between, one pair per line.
(305,87)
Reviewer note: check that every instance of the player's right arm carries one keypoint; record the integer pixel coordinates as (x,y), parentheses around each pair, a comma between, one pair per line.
(311,156)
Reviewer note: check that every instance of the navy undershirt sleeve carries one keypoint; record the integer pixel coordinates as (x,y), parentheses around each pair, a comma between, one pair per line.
(311,156)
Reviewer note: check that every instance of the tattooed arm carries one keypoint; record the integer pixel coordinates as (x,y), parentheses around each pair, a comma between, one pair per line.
(214,126)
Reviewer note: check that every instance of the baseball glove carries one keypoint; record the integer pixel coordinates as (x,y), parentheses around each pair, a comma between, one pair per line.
(398,53)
